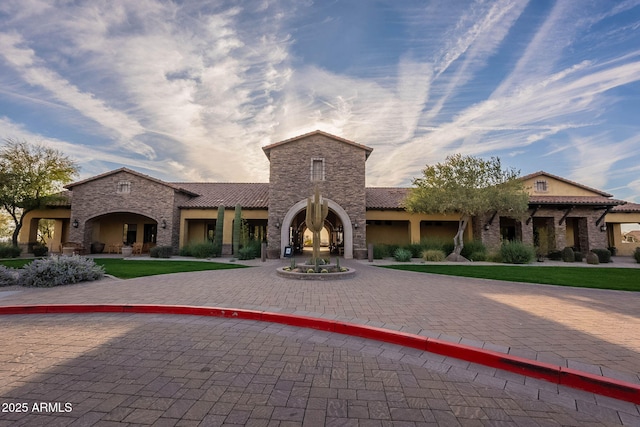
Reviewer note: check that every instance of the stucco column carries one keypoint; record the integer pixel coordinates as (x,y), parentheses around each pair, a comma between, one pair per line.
(55,243)
(414,230)
(184,231)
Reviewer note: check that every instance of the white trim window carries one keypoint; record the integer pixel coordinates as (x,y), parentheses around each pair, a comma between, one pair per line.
(124,187)
(317,169)
(541,186)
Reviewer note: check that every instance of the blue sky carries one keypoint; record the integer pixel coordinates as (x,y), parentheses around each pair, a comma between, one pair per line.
(191,90)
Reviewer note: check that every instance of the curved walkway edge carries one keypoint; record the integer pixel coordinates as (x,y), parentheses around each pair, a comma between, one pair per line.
(573,378)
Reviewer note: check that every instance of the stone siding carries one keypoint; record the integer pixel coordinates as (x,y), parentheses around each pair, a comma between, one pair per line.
(290,182)
(588,234)
(146,197)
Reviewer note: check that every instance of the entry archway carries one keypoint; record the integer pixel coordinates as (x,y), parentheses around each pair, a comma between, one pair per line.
(336,208)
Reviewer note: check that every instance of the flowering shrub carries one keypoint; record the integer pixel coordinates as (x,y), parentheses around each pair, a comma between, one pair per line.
(56,271)
(7,276)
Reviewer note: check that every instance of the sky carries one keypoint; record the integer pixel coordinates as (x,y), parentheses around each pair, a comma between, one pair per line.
(192,90)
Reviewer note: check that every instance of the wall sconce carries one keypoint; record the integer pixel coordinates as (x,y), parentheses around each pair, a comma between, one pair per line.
(486,227)
(355,225)
(603,227)
(277,224)
(75,223)
(163,223)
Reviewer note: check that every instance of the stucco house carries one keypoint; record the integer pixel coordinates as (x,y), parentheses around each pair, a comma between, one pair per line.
(125,206)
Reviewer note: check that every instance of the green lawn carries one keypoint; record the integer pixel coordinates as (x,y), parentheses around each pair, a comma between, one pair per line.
(621,279)
(126,269)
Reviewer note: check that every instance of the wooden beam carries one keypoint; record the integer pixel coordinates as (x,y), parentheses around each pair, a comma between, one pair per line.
(566,213)
(535,209)
(606,211)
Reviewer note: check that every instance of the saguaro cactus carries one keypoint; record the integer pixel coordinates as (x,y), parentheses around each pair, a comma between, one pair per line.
(237,222)
(317,210)
(217,238)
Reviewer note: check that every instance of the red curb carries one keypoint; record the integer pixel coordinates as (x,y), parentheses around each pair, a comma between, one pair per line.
(604,386)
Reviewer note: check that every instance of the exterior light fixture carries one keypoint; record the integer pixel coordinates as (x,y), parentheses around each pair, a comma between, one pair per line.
(163,223)
(355,225)
(75,223)
(486,227)
(603,227)
(277,224)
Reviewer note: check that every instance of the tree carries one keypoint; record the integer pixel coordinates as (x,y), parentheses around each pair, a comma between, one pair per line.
(469,186)
(31,176)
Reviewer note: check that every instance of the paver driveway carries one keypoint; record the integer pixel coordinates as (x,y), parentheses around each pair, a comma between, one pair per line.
(593,330)
(131,370)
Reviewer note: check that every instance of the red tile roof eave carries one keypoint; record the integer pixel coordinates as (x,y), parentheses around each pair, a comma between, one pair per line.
(565,201)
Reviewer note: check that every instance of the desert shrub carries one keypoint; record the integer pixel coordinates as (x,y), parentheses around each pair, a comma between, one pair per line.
(494,257)
(433,243)
(478,256)
(201,250)
(568,255)
(392,247)
(555,255)
(578,256)
(474,246)
(604,255)
(380,251)
(448,247)
(9,251)
(517,253)
(433,255)
(161,252)
(250,251)
(246,253)
(7,276)
(592,258)
(56,271)
(40,250)
(415,249)
(636,255)
(384,250)
(402,255)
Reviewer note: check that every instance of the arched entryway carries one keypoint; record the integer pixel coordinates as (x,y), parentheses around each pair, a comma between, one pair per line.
(336,209)
(121,228)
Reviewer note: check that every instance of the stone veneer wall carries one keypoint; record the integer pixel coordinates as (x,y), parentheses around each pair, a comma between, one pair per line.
(147,197)
(290,182)
(589,233)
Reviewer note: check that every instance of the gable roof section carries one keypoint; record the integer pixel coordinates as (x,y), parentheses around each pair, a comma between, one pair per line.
(132,172)
(267,148)
(559,178)
(213,195)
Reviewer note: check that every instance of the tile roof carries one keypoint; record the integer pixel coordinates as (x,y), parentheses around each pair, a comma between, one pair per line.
(130,171)
(386,197)
(574,200)
(267,148)
(559,178)
(214,194)
(627,208)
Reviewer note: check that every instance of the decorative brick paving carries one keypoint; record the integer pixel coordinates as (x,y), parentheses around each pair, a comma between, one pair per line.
(592,330)
(182,370)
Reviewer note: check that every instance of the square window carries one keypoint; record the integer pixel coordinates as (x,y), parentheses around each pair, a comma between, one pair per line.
(541,186)
(124,187)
